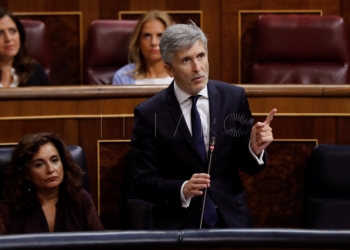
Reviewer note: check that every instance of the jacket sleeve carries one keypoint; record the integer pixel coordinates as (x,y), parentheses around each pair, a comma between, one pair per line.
(150,183)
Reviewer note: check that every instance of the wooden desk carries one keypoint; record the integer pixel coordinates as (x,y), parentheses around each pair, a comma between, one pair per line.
(100,119)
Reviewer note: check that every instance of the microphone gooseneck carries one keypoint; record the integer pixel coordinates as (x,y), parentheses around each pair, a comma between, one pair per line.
(211,149)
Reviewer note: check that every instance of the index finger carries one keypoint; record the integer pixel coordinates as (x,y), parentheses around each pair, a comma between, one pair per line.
(201,175)
(269,118)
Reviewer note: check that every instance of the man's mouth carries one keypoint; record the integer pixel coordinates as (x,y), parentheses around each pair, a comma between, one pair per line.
(197,78)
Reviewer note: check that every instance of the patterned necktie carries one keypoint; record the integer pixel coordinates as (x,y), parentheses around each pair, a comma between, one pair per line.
(197,134)
(210,216)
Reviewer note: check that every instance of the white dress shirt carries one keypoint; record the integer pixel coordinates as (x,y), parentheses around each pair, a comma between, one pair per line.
(15,82)
(203,109)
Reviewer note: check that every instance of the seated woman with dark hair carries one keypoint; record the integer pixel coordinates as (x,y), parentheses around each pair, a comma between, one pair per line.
(146,65)
(43,191)
(16,68)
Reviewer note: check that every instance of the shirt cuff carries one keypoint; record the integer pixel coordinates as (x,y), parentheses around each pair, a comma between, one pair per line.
(185,202)
(258,160)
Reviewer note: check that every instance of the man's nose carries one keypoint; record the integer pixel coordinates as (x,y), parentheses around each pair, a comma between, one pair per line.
(196,66)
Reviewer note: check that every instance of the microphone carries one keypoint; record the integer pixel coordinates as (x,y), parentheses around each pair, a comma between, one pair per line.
(211,149)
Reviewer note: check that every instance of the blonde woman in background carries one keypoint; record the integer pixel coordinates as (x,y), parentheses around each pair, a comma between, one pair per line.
(145,63)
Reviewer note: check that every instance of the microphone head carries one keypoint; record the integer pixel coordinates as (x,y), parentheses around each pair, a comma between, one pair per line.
(212,141)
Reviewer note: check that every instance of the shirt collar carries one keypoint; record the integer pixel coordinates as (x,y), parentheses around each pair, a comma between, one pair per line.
(183,96)
(15,82)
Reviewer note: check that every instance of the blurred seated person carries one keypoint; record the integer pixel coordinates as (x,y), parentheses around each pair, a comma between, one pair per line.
(146,65)
(16,69)
(43,191)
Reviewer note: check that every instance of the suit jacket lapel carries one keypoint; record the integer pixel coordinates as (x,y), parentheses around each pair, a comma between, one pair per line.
(214,109)
(176,113)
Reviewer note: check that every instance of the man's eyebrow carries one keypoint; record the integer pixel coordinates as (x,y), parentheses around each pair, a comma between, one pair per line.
(185,57)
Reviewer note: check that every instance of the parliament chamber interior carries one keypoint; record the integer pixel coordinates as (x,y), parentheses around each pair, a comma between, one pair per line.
(290,55)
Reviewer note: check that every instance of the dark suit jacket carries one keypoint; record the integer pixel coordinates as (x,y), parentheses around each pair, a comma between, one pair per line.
(165,157)
(70,216)
(39,77)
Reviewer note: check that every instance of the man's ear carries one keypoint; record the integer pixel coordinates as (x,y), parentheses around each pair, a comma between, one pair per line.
(169,70)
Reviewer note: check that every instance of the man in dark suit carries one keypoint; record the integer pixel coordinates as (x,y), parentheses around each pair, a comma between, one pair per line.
(170,169)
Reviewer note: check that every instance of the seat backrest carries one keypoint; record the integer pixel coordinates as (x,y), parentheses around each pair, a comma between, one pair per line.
(76,151)
(107,49)
(327,195)
(79,158)
(305,49)
(36,43)
(5,158)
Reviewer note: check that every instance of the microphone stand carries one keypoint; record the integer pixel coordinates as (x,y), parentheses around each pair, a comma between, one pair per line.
(211,149)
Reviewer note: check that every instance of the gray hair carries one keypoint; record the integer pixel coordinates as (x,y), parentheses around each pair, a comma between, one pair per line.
(179,37)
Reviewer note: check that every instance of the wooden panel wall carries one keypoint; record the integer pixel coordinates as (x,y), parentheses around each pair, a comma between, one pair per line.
(220,18)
